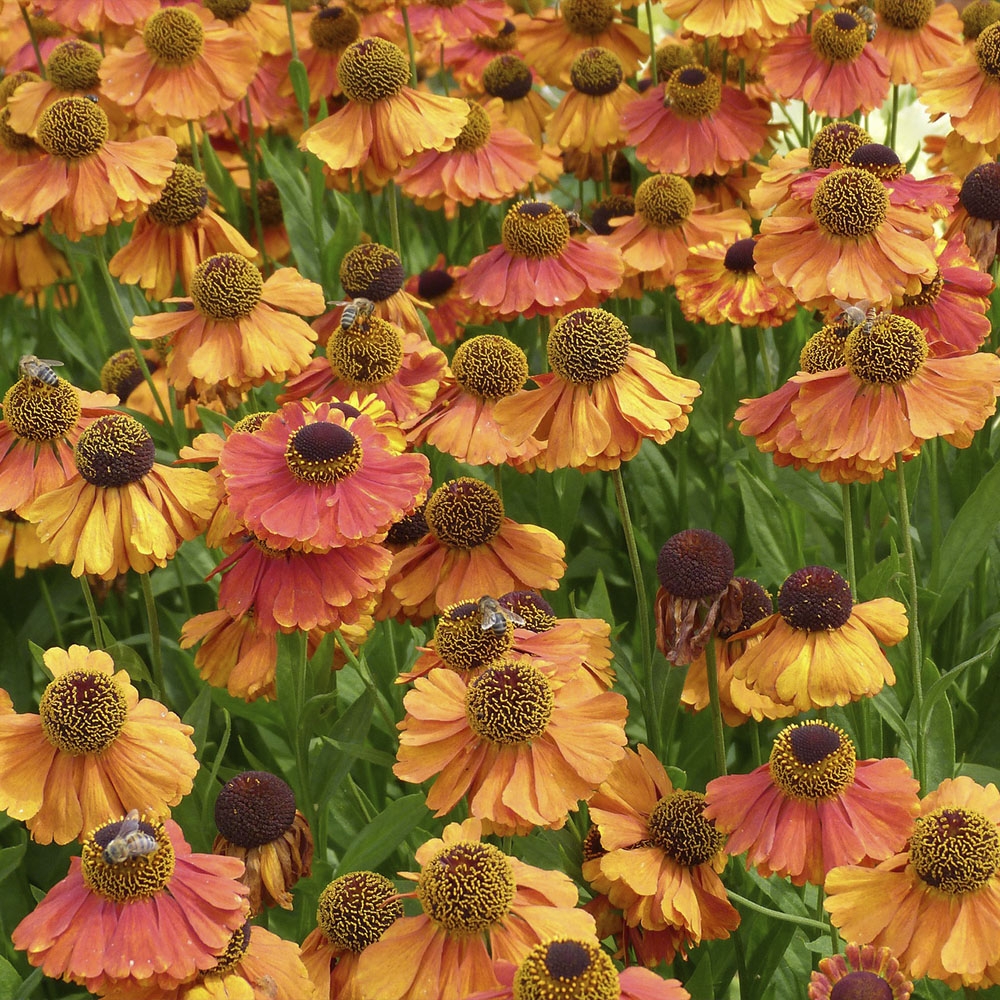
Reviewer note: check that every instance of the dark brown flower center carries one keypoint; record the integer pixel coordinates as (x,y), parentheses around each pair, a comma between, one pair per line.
(677,825)
(839,37)
(859,984)
(74,65)
(535,229)
(467,887)
(463,643)
(366,355)
(114,450)
(355,910)
(183,198)
(955,850)
(226,286)
(977,16)
(587,17)
(815,599)
(596,72)
(507,77)
(254,808)
(372,70)
(72,128)
(464,513)
(476,131)
(371,271)
(588,345)
(887,350)
(615,206)
(321,453)
(332,29)
(988,50)
(755,605)
(836,143)
(174,36)
(490,367)
(565,969)
(813,760)
(980,192)
(850,202)
(509,703)
(37,411)
(824,350)
(693,93)
(739,257)
(695,563)
(83,711)
(664,200)
(137,877)
(905,15)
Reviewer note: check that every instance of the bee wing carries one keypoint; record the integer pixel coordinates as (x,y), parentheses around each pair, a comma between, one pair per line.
(515,618)
(51,362)
(129,824)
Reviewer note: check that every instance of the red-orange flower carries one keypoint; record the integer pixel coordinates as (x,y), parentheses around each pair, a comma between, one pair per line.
(917,38)
(692,124)
(157,918)
(313,477)
(833,68)
(540,267)
(814,806)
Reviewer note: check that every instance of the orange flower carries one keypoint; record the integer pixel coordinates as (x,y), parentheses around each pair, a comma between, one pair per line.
(29,264)
(20,544)
(158,918)
(969,89)
(123,510)
(462,420)
(331,30)
(814,806)
(85,180)
(42,424)
(936,905)
(176,234)
(97,15)
(509,78)
(540,268)
(850,242)
(589,118)
(439,287)
(385,122)
(373,357)
(890,396)
(551,40)
(661,855)
(471,548)
(433,21)
(235,654)
(489,162)
(522,744)
(603,397)
(466,58)
(93,750)
(821,648)
(719,285)
(255,964)
(668,221)
(236,337)
(470,892)
(917,38)
(833,68)
(760,19)
(354,911)
(184,66)
(313,478)
(692,124)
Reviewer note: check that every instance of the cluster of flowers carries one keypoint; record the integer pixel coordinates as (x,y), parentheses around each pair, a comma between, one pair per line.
(327,518)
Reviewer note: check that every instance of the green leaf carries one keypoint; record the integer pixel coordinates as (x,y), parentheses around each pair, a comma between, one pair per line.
(964,547)
(763,525)
(220,180)
(197,716)
(299,76)
(10,858)
(29,987)
(384,834)
(335,758)
(10,980)
(126,658)
(359,751)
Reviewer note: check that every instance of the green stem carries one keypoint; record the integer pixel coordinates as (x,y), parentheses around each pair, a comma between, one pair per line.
(891,138)
(410,47)
(916,650)
(652,43)
(848,508)
(668,329)
(787,918)
(254,178)
(50,606)
(392,195)
(155,649)
(645,657)
(95,619)
(34,40)
(718,733)
(366,676)
(764,362)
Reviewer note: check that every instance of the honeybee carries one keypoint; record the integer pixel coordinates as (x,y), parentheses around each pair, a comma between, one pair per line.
(129,842)
(354,310)
(866,14)
(493,616)
(576,221)
(41,368)
(856,315)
